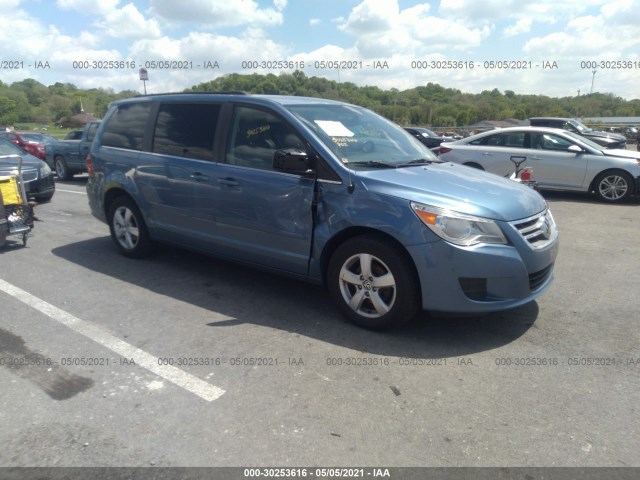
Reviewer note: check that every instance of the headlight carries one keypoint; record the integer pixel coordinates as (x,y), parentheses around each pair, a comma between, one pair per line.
(45,171)
(458,228)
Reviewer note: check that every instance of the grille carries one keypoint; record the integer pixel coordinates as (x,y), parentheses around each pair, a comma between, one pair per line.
(538,278)
(539,230)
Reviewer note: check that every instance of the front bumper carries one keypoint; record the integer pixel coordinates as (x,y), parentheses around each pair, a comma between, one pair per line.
(484,278)
(40,186)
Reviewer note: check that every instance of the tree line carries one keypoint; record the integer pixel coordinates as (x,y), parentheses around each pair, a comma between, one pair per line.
(427,105)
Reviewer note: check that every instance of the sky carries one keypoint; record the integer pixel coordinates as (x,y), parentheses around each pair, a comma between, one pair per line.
(545,47)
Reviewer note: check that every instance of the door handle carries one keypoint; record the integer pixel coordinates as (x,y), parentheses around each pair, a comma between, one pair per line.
(230,182)
(199,177)
(486,154)
(535,158)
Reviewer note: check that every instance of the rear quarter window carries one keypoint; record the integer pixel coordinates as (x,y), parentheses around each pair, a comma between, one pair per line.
(125,128)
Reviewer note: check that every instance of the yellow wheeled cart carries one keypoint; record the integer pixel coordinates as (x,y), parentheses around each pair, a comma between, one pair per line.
(16,213)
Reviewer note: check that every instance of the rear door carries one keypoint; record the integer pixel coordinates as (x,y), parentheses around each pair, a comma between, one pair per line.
(493,152)
(177,178)
(264,216)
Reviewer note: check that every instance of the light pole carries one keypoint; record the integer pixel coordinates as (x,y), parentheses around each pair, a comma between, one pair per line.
(593,78)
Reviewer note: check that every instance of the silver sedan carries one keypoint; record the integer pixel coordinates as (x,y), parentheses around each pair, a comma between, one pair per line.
(560,160)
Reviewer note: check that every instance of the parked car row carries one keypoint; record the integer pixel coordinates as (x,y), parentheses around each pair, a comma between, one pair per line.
(32,143)
(560,160)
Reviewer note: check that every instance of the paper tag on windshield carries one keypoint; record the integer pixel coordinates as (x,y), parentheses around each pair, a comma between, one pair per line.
(334,129)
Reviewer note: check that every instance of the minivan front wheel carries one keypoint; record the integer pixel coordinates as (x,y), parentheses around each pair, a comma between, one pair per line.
(614,186)
(373,283)
(128,230)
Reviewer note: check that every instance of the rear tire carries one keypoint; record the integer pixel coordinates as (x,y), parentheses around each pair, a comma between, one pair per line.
(373,283)
(62,170)
(614,186)
(128,230)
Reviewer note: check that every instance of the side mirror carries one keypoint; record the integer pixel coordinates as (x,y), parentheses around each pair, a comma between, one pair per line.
(292,160)
(575,149)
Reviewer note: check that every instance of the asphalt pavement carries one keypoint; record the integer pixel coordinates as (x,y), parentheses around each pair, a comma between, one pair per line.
(181,360)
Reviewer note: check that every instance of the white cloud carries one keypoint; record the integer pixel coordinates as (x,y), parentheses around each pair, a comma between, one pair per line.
(228,13)
(523,25)
(544,11)
(315,21)
(371,17)
(383,30)
(128,22)
(89,6)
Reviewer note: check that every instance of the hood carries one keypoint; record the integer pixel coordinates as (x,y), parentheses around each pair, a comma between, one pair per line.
(456,187)
(618,152)
(29,162)
(614,136)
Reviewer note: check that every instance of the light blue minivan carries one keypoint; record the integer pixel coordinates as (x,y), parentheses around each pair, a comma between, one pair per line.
(325,191)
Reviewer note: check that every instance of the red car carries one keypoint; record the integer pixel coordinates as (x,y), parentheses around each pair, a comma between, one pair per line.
(33,143)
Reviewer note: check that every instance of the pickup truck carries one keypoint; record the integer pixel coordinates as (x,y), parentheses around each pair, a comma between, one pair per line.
(67,157)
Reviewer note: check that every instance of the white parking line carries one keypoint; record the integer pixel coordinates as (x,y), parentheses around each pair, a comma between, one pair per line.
(97,334)
(70,191)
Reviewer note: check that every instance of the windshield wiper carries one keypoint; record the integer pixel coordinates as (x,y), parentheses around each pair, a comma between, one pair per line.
(375,163)
(419,161)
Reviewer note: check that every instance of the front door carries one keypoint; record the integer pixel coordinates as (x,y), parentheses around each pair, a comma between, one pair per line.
(554,166)
(263,216)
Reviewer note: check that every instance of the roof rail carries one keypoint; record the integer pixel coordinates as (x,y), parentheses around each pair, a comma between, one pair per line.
(194,93)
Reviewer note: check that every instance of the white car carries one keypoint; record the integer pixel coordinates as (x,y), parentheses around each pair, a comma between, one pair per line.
(560,160)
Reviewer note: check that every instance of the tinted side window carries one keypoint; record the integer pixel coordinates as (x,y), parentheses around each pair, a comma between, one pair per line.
(514,140)
(186,130)
(256,135)
(126,126)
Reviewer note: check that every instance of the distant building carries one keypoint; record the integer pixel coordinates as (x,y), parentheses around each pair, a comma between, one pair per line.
(624,121)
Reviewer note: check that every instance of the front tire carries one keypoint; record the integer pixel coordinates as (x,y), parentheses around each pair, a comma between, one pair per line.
(373,283)
(614,186)
(128,230)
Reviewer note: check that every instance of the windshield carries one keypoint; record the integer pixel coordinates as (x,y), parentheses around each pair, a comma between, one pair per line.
(581,127)
(359,137)
(585,141)
(8,148)
(426,132)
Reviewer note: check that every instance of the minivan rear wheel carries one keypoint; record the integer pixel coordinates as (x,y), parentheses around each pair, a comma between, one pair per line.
(128,230)
(373,283)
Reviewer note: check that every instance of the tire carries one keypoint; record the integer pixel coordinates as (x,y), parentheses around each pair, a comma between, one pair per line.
(373,283)
(62,171)
(613,186)
(128,230)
